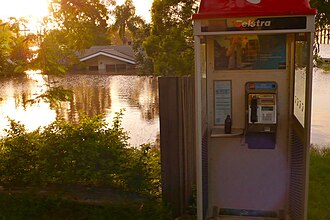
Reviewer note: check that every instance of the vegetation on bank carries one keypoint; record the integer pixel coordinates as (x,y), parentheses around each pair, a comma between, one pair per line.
(16,206)
(320,63)
(91,154)
(87,153)
(319,184)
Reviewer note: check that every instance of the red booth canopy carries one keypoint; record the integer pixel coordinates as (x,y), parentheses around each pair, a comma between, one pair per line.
(251,8)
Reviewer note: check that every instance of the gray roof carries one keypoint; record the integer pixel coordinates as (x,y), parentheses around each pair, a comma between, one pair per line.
(123,51)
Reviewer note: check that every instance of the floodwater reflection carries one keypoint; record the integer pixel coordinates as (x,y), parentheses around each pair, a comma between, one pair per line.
(138,95)
(93,95)
(321,108)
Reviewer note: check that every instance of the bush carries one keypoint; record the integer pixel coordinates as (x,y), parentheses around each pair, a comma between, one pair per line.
(18,156)
(89,152)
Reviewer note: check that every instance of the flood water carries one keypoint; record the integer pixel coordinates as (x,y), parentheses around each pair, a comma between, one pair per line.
(321,102)
(138,95)
(93,95)
(321,108)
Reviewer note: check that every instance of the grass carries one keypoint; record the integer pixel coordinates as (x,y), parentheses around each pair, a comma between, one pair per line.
(31,206)
(319,185)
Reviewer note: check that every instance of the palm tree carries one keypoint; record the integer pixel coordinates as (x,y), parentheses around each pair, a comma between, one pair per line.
(126,20)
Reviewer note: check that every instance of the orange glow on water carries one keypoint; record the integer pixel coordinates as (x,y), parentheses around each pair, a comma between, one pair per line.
(93,95)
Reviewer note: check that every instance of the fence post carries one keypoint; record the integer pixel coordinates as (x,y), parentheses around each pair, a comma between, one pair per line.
(323,35)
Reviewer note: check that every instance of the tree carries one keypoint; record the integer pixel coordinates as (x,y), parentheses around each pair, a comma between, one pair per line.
(14,47)
(83,22)
(5,41)
(322,20)
(76,25)
(144,63)
(170,45)
(323,13)
(54,56)
(126,20)
(20,53)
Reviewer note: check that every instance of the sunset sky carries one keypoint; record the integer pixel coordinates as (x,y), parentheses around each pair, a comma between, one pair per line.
(38,8)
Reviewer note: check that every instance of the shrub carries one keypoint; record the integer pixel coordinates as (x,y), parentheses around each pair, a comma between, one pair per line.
(18,156)
(90,152)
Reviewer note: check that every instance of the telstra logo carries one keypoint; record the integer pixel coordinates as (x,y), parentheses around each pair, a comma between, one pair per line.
(250,23)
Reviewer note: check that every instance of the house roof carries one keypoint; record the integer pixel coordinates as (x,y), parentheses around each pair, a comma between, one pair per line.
(250,8)
(122,52)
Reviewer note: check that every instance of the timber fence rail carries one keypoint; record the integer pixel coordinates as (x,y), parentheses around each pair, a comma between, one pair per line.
(322,36)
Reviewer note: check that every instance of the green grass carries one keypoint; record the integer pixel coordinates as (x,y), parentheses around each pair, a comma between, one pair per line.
(319,185)
(30,206)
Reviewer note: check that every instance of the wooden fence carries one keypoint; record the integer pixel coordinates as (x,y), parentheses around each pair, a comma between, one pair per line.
(323,36)
(177,144)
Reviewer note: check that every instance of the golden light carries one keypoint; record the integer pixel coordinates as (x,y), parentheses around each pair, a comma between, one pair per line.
(23,8)
(142,7)
(34,48)
(31,10)
(34,10)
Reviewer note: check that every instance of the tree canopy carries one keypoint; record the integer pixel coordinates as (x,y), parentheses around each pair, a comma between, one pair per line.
(83,22)
(126,20)
(14,47)
(170,45)
(79,24)
(322,18)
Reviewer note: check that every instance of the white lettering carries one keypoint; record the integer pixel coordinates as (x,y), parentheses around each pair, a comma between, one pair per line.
(267,23)
(252,23)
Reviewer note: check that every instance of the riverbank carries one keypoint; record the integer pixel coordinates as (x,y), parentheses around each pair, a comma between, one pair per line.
(319,184)
(78,171)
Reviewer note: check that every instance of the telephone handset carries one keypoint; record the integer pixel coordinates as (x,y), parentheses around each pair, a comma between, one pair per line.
(262,108)
(254,110)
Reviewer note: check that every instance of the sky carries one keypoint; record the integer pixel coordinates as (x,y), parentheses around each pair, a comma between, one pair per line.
(142,7)
(24,8)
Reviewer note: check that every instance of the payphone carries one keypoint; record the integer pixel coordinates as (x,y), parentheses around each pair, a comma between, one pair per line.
(252,60)
(261,119)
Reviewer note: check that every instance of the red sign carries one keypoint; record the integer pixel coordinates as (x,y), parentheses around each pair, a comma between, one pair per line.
(252,8)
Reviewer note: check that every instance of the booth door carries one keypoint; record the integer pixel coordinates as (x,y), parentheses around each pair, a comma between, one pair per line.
(300,127)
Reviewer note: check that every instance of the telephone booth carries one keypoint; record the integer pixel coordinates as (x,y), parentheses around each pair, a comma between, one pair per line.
(253,64)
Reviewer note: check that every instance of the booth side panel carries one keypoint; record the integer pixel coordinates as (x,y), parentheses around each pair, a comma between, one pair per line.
(298,168)
(205,172)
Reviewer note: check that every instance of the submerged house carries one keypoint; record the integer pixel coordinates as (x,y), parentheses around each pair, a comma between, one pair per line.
(108,59)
